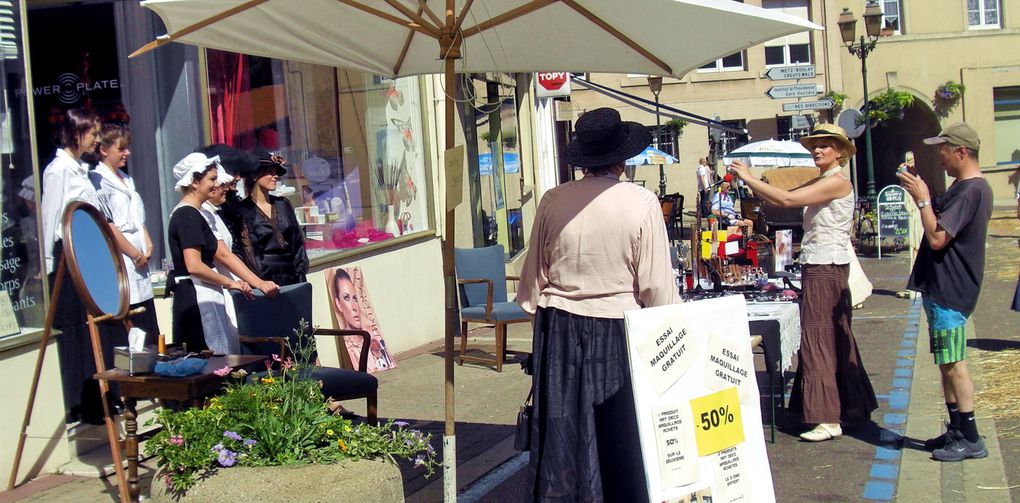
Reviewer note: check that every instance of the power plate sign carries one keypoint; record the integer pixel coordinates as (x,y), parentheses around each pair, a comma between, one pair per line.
(552,84)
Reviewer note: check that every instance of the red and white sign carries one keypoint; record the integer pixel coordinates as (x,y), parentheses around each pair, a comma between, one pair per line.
(552,84)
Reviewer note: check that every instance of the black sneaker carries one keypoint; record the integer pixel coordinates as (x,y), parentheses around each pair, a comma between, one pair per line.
(940,441)
(959,449)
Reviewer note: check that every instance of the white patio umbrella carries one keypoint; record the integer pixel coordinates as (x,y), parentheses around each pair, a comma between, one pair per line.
(415,37)
(772,153)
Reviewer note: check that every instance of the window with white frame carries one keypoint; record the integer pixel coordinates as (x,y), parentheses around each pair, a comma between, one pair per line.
(732,63)
(792,49)
(982,14)
(891,15)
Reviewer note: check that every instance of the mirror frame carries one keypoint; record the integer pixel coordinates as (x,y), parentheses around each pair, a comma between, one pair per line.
(72,260)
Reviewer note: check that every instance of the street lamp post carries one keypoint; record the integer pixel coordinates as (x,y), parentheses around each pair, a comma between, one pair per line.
(655,85)
(847,29)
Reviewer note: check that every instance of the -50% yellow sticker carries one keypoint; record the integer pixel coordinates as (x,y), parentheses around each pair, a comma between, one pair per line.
(717,424)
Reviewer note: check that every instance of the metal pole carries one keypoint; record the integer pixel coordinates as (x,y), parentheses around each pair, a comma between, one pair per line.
(662,171)
(867,124)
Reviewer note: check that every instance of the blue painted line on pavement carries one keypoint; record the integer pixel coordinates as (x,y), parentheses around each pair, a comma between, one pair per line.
(885,469)
(491,480)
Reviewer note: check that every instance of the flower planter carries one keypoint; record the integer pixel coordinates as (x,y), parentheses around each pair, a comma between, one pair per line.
(374,481)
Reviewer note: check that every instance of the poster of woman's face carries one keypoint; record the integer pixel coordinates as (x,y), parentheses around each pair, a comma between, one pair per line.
(353,310)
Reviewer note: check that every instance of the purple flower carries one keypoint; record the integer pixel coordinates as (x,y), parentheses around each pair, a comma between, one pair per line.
(231,435)
(401,423)
(250,442)
(217,448)
(227,458)
(419,460)
(176,440)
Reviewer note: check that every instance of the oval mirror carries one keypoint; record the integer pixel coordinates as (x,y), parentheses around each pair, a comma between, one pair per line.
(93,261)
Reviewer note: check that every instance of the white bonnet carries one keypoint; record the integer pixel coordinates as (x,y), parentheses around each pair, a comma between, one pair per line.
(185,169)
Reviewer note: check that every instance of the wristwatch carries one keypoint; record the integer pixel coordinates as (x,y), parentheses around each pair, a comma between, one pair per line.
(922,203)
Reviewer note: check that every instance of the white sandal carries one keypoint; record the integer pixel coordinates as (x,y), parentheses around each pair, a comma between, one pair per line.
(822,432)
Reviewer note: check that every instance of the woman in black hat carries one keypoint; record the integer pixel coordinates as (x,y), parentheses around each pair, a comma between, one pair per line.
(270,241)
(598,248)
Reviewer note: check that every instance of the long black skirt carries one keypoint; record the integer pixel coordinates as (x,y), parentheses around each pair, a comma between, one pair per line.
(584,440)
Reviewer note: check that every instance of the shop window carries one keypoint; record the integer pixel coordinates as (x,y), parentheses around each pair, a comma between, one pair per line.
(792,49)
(729,140)
(500,187)
(21,271)
(667,140)
(982,14)
(1007,125)
(355,142)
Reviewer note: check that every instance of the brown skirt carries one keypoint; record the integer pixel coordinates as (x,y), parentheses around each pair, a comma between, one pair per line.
(831,384)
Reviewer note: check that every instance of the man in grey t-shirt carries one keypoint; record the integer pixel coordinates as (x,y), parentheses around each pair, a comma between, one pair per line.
(948,272)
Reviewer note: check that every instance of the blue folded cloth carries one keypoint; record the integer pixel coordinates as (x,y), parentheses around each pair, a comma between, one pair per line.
(180,367)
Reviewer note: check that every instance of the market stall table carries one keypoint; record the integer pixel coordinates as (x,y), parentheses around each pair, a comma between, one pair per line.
(779,325)
(188,390)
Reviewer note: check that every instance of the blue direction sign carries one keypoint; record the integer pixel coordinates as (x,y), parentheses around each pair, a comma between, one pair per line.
(791,72)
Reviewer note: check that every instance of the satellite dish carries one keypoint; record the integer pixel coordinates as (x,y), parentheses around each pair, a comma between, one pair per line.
(852,121)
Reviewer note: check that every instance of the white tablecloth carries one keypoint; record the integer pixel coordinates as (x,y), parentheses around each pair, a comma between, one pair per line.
(788,315)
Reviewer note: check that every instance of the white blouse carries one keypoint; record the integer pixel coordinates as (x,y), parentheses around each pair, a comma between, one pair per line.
(827,229)
(122,205)
(64,180)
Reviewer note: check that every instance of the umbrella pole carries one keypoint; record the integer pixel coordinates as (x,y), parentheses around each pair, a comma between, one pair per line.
(449,47)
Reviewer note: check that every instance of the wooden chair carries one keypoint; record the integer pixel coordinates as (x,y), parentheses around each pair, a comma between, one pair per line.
(673,215)
(481,282)
(266,325)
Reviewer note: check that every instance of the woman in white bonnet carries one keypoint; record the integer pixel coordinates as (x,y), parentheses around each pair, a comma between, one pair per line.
(200,318)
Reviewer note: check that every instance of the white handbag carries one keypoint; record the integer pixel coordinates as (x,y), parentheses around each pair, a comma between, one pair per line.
(860,285)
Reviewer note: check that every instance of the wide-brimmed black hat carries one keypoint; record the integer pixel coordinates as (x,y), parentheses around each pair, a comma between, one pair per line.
(602,139)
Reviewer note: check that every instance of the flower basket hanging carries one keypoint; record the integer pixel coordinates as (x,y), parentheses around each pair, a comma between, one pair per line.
(889,105)
(947,97)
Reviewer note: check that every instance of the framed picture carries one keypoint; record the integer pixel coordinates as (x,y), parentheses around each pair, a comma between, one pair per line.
(353,310)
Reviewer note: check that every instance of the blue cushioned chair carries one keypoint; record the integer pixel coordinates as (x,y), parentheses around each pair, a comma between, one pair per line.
(481,282)
(265,325)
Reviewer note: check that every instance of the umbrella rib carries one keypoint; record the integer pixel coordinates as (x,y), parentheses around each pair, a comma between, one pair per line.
(407,44)
(197,26)
(432,15)
(428,30)
(506,16)
(412,15)
(463,14)
(619,35)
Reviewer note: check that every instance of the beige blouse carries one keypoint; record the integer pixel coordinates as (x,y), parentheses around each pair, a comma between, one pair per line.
(827,229)
(598,248)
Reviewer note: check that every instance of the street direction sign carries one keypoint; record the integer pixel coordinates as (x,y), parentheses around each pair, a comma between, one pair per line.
(792,91)
(822,104)
(799,122)
(791,72)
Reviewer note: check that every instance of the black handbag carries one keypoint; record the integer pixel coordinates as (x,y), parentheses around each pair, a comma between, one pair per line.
(522,438)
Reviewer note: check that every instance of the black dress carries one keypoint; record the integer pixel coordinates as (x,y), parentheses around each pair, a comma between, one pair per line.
(188,229)
(272,246)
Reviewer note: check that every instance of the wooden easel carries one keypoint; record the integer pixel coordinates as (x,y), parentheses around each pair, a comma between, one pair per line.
(94,316)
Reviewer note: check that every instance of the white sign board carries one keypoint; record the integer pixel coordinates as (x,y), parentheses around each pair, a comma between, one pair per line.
(552,84)
(799,122)
(697,402)
(792,91)
(822,104)
(791,72)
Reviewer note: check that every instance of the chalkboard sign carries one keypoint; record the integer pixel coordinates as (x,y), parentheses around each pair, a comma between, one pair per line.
(893,219)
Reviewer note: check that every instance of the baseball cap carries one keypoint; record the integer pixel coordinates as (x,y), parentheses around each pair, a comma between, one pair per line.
(960,134)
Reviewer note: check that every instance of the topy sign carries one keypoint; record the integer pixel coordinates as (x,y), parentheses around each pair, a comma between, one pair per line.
(791,72)
(552,84)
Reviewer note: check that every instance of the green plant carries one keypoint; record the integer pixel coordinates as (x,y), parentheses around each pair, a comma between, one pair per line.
(278,419)
(678,125)
(889,105)
(837,98)
(947,96)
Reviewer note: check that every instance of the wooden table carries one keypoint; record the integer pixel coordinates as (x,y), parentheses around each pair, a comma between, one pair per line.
(189,390)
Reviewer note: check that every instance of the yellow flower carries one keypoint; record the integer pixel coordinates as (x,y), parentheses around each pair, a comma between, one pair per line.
(343,446)
(329,433)
(267,380)
(347,427)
